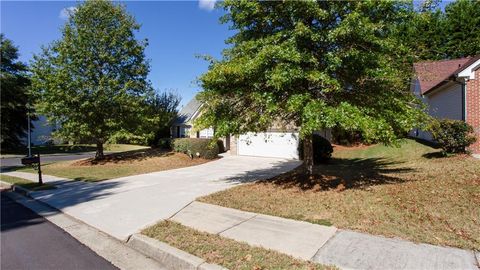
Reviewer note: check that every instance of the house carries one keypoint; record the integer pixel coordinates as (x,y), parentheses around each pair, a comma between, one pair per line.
(451,89)
(276,142)
(41,132)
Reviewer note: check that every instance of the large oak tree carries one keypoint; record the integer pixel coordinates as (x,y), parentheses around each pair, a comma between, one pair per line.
(316,64)
(93,81)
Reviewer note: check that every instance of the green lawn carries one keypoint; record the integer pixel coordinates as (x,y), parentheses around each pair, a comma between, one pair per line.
(118,165)
(222,251)
(408,192)
(25,183)
(76,148)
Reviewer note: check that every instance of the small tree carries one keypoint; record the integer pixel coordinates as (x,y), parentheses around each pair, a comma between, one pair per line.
(14,82)
(315,64)
(164,107)
(93,81)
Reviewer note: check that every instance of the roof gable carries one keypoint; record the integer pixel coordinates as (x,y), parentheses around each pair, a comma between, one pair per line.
(188,111)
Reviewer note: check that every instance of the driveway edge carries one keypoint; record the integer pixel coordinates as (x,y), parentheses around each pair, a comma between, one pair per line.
(171,257)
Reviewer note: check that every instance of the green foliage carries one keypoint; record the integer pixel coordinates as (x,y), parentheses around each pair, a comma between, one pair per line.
(454,136)
(164,143)
(93,81)
(315,65)
(161,109)
(322,149)
(462,28)
(205,147)
(163,106)
(434,34)
(346,137)
(14,81)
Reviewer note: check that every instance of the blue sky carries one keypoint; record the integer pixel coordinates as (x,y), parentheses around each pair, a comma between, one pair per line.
(176,31)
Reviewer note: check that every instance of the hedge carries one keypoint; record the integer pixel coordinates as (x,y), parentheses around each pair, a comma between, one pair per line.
(191,146)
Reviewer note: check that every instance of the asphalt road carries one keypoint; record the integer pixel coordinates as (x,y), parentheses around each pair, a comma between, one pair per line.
(15,161)
(29,241)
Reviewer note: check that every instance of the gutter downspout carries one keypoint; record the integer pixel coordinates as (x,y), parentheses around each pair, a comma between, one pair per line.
(464,92)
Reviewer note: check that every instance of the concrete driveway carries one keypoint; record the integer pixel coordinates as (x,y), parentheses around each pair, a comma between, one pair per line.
(123,206)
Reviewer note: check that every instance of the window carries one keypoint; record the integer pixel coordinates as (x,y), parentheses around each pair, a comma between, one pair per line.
(206,133)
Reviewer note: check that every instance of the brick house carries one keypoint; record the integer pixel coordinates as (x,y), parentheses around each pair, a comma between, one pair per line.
(451,89)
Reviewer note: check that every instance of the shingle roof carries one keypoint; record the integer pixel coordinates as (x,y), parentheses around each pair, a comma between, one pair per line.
(187,111)
(432,74)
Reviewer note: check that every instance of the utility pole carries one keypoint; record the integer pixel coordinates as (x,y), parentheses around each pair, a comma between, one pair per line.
(29,132)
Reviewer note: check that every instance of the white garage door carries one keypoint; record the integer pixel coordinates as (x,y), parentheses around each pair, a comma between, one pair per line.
(269,144)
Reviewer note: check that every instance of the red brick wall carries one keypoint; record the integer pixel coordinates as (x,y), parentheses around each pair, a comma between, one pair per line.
(473,109)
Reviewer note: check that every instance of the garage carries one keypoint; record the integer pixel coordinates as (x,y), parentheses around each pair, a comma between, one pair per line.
(269,144)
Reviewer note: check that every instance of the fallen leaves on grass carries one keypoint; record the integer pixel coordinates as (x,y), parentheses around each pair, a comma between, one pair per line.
(395,192)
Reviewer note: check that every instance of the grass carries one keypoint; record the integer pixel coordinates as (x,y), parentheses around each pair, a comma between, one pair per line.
(407,192)
(225,252)
(70,149)
(25,183)
(118,165)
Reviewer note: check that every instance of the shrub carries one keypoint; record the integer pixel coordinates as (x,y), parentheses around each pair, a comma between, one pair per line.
(164,143)
(322,149)
(192,146)
(346,137)
(453,136)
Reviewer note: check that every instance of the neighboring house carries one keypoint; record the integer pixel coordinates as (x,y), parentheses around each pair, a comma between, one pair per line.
(275,142)
(41,131)
(451,89)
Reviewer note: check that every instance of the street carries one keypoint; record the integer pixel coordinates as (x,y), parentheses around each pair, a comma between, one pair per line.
(15,161)
(28,241)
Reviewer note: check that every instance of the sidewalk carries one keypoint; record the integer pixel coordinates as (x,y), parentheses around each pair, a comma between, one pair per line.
(123,206)
(322,244)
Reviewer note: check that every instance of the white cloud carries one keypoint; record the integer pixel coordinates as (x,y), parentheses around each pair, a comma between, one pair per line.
(208,5)
(66,12)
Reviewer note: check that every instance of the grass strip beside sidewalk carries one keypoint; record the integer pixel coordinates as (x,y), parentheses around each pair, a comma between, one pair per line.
(225,252)
(33,186)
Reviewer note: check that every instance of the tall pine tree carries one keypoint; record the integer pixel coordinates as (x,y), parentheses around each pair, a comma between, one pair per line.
(14,82)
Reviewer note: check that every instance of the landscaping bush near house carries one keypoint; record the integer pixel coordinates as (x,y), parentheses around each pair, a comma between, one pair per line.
(322,149)
(164,143)
(192,146)
(346,137)
(453,136)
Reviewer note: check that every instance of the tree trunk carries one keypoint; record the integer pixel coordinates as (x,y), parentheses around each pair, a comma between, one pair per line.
(99,154)
(308,154)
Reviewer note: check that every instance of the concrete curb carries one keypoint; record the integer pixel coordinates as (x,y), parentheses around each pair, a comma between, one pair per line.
(163,253)
(477,256)
(172,258)
(112,249)
(18,189)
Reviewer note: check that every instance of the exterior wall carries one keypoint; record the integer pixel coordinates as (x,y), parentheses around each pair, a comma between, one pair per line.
(473,108)
(446,102)
(233,145)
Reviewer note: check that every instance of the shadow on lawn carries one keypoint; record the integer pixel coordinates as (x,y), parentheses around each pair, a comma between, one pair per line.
(343,174)
(133,155)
